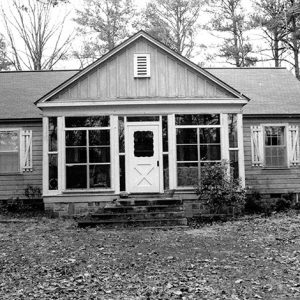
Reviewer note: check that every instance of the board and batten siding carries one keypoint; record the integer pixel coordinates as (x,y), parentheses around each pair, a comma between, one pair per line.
(264,180)
(114,79)
(14,185)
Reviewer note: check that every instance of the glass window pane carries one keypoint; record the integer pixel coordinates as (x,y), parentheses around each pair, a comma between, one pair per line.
(143,119)
(99,154)
(122,173)
(187,153)
(209,135)
(52,134)
(99,137)
(186,136)
(53,185)
(100,176)
(232,129)
(121,135)
(9,162)
(275,156)
(213,119)
(76,138)
(97,121)
(76,177)
(9,141)
(166,171)
(210,152)
(165,133)
(274,136)
(187,174)
(143,144)
(75,155)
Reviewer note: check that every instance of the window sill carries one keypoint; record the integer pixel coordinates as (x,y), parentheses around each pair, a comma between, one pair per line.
(276,168)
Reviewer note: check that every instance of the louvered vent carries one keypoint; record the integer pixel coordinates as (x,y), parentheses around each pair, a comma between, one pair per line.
(141,65)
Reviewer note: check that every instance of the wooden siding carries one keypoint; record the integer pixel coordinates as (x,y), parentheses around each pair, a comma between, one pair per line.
(12,186)
(114,79)
(266,180)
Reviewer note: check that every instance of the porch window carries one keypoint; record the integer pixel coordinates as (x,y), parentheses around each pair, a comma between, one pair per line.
(9,151)
(233,145)
(275,146)
(88,163)
(197,142)
(53,153)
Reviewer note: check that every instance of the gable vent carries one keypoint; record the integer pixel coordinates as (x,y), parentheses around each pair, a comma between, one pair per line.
(141,65)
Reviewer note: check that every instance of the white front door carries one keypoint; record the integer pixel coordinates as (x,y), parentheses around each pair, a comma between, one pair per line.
(143,157)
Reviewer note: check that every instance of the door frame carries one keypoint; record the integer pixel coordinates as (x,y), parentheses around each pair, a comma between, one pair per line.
(160,153)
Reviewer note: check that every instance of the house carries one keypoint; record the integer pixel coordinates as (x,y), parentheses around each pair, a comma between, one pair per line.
(144,119)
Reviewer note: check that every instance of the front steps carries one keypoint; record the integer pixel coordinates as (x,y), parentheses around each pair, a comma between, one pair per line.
(139,211)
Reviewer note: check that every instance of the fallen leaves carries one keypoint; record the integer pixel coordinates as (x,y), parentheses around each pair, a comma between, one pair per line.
(247,259)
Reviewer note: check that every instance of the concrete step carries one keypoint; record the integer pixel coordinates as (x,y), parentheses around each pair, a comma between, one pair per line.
(133,223)
(129,209)
(149,201)
(138,215)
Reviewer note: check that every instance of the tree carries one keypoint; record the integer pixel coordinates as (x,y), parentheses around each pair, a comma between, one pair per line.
(292,38)
(269,18)
(104,24)
(173,22)
(35,33)
(4,62)
(229,19)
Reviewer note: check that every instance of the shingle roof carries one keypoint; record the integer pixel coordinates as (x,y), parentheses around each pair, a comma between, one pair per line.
(271,90)
(19,90)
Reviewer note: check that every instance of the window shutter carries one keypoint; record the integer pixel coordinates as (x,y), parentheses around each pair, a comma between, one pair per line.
(26,150)
(141,65)
(293,145)
(257,146)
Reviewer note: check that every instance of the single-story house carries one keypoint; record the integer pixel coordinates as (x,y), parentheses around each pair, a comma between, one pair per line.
(143,119)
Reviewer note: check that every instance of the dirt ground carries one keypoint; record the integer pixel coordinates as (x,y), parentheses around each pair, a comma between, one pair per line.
(253,258)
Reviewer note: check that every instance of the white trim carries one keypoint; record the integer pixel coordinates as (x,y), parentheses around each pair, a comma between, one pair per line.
(45,156)
(172,152)
(114,153)
(240,133)
(61,154)
(224,138)
(159,45)
(141,101)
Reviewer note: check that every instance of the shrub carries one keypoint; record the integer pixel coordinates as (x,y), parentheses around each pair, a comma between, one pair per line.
(218,190)
(284,203)
(253,203)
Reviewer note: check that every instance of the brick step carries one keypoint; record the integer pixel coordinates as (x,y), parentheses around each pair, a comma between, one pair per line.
(135,223)
(149,201)
(128,209)
(138,216)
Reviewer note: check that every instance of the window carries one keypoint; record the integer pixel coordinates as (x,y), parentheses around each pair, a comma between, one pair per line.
(52,153)
(198,142)
(233,145)
(142,65)
(15,150)
(9,151)
(88,152)
(275,146)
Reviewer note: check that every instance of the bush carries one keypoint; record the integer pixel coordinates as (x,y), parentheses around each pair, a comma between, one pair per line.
(219,191)
(253,203)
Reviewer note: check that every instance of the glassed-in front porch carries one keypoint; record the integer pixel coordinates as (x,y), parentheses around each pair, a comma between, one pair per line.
(137,154)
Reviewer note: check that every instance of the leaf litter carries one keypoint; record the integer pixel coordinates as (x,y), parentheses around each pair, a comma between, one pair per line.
(253,258)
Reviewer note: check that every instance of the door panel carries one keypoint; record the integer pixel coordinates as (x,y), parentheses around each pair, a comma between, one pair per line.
(142,158)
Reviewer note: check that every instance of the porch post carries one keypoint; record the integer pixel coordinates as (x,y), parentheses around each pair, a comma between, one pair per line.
(61,173)
(115,168)
(241,148)
(172,152)
(224,137)
(45,156)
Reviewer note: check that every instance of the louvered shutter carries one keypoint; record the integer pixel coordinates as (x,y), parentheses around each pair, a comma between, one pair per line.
(293,145)
(257,145)
(141,65)
(26,150)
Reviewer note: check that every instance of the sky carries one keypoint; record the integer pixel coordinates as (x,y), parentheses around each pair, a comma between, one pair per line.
(203,37)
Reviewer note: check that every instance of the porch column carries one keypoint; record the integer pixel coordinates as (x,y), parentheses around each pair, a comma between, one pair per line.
(115,168)
(172,152)
(45,156)
(61,170)
(224,137)
(241,148)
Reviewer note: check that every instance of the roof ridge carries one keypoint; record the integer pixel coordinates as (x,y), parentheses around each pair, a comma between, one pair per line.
(245,68)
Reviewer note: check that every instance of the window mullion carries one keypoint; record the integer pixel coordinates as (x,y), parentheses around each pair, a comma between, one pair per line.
(87,159)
